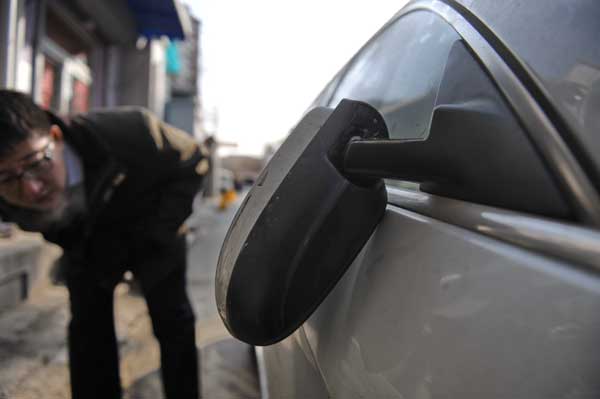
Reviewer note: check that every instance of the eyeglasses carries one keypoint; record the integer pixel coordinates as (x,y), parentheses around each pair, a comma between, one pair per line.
(41,163)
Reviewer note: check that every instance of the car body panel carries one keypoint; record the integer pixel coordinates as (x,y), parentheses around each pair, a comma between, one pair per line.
(451,299)
(445,312)
(290,371)
(577,244)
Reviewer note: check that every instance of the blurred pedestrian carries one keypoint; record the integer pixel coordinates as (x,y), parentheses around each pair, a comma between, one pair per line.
(113,189)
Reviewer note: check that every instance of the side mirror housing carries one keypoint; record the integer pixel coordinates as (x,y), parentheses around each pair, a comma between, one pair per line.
(300,226)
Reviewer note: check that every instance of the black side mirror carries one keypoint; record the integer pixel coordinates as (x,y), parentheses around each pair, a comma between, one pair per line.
(299,227)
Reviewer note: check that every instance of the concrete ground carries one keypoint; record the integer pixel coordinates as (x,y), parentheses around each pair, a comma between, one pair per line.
(32,336)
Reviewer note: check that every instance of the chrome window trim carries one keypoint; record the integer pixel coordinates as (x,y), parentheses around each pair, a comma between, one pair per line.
(574,182)
(570,242)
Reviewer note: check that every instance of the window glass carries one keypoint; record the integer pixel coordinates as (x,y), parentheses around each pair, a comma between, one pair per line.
(399,72)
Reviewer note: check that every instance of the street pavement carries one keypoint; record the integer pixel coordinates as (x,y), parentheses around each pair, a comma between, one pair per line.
(33,360)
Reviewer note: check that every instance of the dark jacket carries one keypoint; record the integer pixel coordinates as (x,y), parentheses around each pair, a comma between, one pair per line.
(141,176)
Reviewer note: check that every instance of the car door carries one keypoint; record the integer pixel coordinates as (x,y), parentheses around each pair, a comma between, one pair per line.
(481,280)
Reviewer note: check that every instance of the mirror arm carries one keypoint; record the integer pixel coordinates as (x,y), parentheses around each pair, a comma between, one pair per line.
(410,160)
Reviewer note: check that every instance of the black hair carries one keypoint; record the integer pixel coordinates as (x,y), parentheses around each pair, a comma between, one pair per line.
(20,119)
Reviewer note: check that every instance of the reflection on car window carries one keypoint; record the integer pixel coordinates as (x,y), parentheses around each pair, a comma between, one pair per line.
(407,185)
(399,72)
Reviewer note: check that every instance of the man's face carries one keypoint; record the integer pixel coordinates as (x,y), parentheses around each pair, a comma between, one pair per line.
(33,175)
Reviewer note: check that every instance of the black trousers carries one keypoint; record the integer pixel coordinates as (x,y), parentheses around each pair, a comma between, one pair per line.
(93,352)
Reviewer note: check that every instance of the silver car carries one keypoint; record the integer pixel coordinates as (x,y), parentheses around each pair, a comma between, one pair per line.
(430,228)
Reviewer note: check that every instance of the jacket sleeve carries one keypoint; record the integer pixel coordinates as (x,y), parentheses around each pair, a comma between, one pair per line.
(182,164)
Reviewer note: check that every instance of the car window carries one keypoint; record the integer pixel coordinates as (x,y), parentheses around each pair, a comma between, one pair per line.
(419,74)
(399,72)
(565,61)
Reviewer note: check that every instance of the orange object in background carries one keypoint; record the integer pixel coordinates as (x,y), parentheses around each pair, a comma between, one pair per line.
(227,197)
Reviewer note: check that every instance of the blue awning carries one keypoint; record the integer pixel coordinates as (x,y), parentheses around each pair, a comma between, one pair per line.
(155,18)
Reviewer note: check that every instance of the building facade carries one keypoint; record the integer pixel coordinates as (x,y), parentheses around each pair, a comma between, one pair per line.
(73,55)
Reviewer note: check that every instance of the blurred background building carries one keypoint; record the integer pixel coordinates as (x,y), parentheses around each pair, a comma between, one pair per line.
(74,55)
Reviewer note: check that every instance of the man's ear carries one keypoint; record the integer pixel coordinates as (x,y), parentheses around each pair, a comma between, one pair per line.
(56,132)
